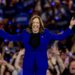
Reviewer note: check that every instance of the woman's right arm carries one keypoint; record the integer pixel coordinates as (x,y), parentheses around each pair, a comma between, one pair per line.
(15,37)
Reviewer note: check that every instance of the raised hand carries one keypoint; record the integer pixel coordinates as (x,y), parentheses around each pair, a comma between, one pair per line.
(72,22)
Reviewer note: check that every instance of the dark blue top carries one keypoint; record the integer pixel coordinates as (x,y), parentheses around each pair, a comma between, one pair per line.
(45,38)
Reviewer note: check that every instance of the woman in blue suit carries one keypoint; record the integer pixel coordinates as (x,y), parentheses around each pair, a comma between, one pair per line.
(36,39)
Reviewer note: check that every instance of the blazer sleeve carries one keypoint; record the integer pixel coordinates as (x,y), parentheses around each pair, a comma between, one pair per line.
(61,36)
(15,37)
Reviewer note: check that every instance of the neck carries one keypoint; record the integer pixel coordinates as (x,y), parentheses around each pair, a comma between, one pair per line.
(35,32)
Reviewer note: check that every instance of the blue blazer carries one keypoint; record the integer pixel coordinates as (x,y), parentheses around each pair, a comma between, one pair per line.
(45,38)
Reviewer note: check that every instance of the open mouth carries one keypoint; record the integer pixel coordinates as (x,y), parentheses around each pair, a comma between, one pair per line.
(73,68)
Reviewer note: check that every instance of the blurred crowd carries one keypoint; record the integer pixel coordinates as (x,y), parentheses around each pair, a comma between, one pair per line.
(11,58)
(15,14)
(56,14)
(61,61)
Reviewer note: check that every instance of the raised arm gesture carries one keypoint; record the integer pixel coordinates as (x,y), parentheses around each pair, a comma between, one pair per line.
(72,22)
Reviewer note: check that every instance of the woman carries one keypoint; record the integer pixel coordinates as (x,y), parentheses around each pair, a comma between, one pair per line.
(70,70)
(36,39)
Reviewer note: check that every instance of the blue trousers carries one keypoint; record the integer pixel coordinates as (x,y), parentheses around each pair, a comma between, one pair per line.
(35,63)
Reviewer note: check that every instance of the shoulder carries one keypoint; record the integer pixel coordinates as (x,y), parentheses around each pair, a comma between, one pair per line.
(24,32)
(47,31)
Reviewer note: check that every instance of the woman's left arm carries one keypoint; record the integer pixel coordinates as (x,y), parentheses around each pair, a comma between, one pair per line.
(65,34)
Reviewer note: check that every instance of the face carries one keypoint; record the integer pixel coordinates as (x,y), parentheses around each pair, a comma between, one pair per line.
(63,56)
(35,25)
(72,67)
